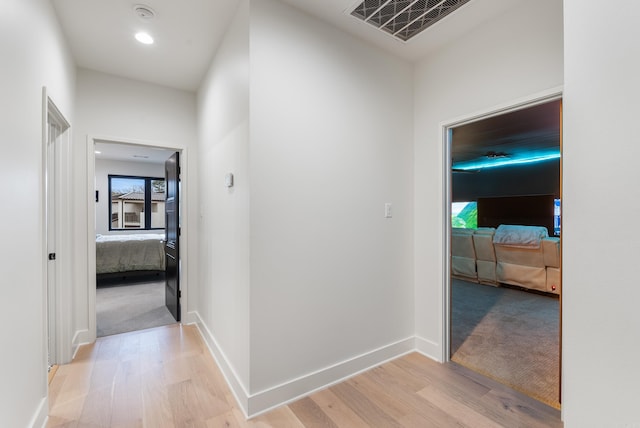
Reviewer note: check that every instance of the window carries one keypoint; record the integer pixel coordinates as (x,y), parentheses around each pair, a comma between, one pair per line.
(137,203)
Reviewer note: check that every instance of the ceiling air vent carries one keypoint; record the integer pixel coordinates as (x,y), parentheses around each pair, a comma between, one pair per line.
(404,19)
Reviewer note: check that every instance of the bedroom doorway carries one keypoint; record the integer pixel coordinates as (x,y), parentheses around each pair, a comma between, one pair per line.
(504,298)
(130,264)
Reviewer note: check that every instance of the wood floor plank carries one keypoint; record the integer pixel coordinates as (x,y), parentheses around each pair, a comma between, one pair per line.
(392,373)
(68,410)
(156,408)
(226,420)
(280,417)
(462,412)
(363,406)
(212,401)
(538,406)
(97,408)
(185,408)
(166,377)
(127,402)
(337,410)
(416,408)
(431,371)
(310,414)
(521,414)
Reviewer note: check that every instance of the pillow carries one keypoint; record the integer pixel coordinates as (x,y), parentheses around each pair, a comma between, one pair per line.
(520,236)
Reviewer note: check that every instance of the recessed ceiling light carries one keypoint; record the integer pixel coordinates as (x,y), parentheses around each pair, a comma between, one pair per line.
(144,38)
(97,152)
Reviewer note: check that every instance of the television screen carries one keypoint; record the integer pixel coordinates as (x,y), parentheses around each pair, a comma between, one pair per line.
(526,210)
(464,215)
(556,217)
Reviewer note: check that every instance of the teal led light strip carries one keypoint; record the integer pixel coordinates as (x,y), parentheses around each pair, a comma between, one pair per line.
(493,163)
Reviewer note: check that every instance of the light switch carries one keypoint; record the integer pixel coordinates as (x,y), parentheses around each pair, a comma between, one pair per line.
(387,210)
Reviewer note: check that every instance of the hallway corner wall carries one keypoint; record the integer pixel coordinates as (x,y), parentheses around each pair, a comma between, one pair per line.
(34,55)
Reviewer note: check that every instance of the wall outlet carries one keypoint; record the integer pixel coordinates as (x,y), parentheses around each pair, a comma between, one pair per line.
(387,210)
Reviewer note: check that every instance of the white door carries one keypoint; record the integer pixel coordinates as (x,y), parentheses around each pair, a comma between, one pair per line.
(56,226)
(54,132)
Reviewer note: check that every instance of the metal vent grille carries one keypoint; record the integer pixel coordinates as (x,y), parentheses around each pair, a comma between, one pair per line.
(405,18)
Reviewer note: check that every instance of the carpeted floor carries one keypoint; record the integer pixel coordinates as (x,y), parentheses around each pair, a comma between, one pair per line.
(509,335)
(131,306)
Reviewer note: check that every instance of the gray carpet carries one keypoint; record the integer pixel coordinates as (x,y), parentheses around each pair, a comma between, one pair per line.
(131,306)
(509,335)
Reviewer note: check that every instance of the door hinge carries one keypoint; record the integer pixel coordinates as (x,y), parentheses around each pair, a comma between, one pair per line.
(52,256)
(179,294)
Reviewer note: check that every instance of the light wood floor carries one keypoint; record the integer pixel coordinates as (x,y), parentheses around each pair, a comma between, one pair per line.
(165,377)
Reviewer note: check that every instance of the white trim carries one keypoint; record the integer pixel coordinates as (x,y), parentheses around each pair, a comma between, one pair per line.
(41,415)
(263,401)
(191,318)
(65,249)
(446,239)
(91,227)
(429,349)
(542,97)
(266,400)
(81,337)
(43,249)
(91,241)
(238,389)
(61,299)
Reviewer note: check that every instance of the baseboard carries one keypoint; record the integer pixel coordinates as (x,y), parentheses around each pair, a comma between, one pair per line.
(255,404)
(81,337)
(428,348)
(266,400)
(237,388)
(39,419)
(190,318)
(263,401)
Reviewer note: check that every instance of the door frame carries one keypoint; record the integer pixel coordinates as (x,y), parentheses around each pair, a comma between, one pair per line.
(57,301)
(91,227)
(446,133)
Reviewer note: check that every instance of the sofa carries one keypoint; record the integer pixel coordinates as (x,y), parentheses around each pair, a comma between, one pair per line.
(523,256)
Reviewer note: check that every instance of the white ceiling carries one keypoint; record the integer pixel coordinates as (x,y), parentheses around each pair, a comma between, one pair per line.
(188,32)
(131,153)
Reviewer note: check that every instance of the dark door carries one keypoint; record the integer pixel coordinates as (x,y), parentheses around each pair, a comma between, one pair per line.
(172,239)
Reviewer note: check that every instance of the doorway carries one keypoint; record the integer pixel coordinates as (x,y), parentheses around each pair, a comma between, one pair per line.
(129,263)
(505,293)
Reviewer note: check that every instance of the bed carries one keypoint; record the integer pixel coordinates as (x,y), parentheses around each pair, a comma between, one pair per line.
(117,254)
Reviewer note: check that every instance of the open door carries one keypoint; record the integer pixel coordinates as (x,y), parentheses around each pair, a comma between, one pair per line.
(172,237)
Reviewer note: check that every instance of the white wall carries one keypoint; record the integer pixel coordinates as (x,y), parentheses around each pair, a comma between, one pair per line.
(601,326)
(34,54)
(104,168)
(223,125)
(513,56)
(331,143)
(118,109)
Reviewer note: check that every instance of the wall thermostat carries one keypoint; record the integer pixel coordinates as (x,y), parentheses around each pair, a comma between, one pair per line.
(228,180)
